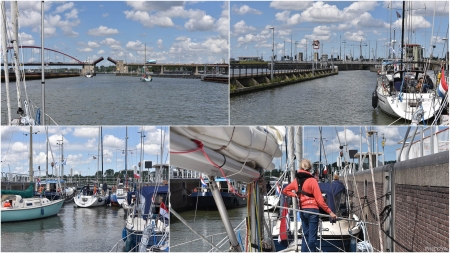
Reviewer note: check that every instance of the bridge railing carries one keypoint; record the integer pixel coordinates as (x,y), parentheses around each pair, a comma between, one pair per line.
(253,70)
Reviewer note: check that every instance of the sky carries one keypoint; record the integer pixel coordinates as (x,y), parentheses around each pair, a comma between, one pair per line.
(167,31)
(351,136)
(80,144)
(333,23)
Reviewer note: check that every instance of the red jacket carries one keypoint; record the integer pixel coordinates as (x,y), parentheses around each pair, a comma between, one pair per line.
(310,186)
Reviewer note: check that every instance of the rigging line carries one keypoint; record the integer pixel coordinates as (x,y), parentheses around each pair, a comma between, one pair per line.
(373,185)
(396,242)
(195,212)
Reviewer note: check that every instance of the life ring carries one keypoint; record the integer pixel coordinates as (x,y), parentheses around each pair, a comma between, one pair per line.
(195,190)
(59,190)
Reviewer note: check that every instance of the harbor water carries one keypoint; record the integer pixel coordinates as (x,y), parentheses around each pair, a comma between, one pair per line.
(107,99)
(207,223)
(343,99)
(72,230)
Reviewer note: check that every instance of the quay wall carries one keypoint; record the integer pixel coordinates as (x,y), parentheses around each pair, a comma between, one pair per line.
(180,189)
(247,85)
(37,76)
(421,208)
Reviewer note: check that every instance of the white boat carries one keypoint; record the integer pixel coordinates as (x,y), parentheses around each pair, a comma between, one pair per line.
(146,78)
(16,208)
(86,198)
(398,97)
(89,75)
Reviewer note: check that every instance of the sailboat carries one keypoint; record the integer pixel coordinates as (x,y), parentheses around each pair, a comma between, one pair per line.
(21,206)
(147,223)
(404,89)
(120,192)
(93,196)
(145,77)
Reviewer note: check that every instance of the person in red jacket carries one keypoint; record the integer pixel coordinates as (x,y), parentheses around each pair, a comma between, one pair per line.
(310,199)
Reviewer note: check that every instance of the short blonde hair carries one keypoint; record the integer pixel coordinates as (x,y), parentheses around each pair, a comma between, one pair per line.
(305,164)
(336,177)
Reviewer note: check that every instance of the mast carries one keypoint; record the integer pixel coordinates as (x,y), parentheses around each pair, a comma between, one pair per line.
(403,39)
(15,28)
(126,152)
(30,168)
(99,153)
(5,60)
(101,143)
(42,65)
(291,156)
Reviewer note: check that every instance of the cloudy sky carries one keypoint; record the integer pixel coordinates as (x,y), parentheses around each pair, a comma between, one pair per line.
(333,23)
(80,144)
(186,32)
(351,136)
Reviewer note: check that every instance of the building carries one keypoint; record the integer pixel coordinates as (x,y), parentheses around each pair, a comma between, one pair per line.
(248,58)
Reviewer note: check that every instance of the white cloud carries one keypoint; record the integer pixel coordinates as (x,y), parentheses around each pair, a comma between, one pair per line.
(93,44)
(205,23)
(290,5)
(148,20)
(160,44)
(101,52)
(86,132)
(241,28)
(72,14)
(245,9)
(64,7)
(102,31)
(109,42)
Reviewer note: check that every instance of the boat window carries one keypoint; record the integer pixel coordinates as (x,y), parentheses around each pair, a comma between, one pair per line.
(29,204)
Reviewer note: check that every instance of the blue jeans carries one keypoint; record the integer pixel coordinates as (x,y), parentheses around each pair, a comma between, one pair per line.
(310,224)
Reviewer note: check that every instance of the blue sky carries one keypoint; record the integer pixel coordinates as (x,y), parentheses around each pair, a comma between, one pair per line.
(332,23)
(185,32)
(351,136)
(80,145)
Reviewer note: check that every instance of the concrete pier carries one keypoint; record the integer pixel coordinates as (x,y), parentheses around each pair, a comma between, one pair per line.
(245,83)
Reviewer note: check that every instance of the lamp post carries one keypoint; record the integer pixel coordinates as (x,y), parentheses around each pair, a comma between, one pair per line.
(273,45)
(344,49)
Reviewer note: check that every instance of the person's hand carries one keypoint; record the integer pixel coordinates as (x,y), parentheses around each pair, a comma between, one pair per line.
(333,216)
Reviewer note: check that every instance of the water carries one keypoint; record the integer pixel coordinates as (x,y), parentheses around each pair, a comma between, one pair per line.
(206,223)
(123,100)
(72,230)
(343,99)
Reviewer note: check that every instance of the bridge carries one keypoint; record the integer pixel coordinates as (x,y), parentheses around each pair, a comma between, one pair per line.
(121,66)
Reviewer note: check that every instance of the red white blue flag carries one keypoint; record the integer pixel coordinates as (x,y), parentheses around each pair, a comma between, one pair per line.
(278,189)
(163,210)
(443,87)
(284,225)
(203,182)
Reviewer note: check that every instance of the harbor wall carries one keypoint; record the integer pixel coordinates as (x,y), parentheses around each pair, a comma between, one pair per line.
(421,207)
(180,189)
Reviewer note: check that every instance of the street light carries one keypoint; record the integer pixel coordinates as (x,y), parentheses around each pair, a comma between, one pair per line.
(273,45)
(345,58)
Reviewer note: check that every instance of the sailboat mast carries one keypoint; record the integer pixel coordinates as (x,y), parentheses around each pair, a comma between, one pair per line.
(99,151)
(126,152)
(5,60)
(290,152)
(42,65)
(15,40)
(101,143)
(30,169)
(403,39)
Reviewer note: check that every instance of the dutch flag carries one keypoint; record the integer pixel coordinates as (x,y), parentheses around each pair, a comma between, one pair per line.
(278,189)
(443,87)
(203,182)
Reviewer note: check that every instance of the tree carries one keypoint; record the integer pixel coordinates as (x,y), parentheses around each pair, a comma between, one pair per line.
(109,172)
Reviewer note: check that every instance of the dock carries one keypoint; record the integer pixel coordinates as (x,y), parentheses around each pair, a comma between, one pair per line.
(254,82)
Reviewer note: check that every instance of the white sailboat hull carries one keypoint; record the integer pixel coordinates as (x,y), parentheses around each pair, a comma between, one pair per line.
(391,104)
(89,201)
